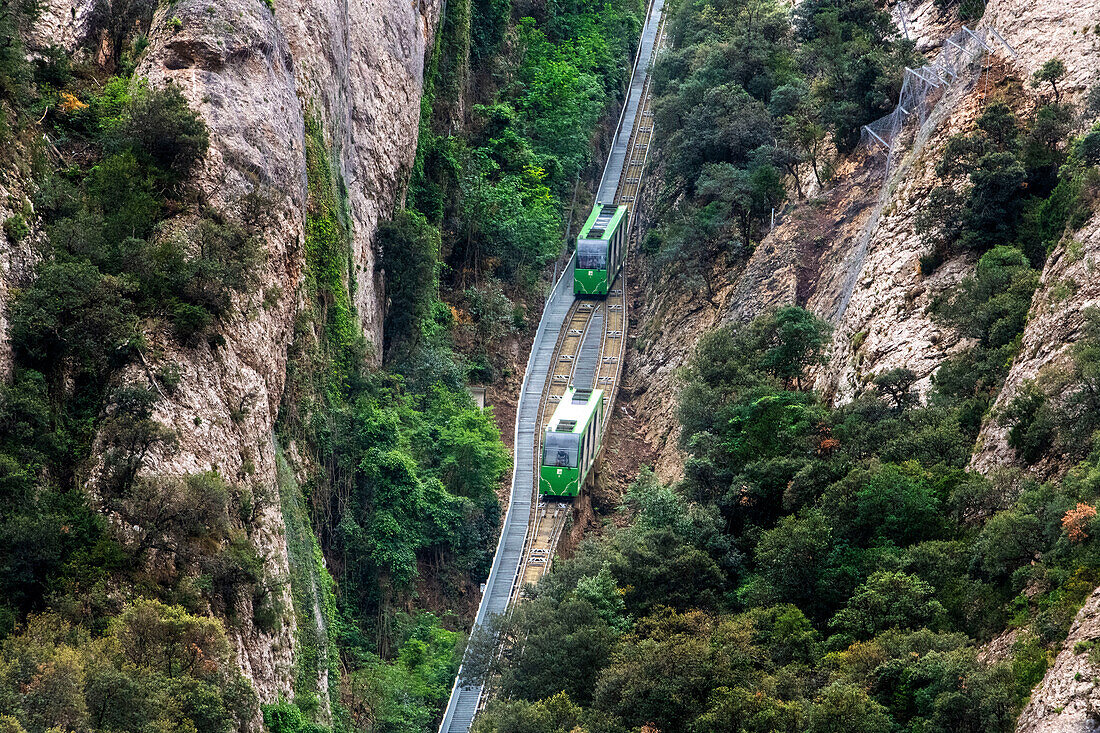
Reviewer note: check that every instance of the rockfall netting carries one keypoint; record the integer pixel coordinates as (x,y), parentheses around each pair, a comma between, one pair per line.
(922,88)
(952,75)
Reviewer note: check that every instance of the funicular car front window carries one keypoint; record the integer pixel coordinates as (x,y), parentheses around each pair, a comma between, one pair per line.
(592,254)
(560,449)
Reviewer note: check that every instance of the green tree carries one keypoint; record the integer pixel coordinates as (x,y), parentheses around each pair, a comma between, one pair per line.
(565,646)
(410,250)
(992,305)
(74,317)
(160,124)
(1051,72)
(793,557)
(552,715)
(601,592)
(662,678)
(845,708)
(888,600)
(994,203)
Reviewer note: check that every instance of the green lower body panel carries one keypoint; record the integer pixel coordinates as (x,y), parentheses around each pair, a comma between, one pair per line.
(554,481)
(590,282)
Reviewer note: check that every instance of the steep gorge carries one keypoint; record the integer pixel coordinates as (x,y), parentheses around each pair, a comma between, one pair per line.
(309,76)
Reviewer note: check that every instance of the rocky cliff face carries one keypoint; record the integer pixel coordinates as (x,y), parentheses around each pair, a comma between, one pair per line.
(870,286)
(1067,700)
(1039,32)
(255,75)
(848,253)
(852,256)
(1067,289)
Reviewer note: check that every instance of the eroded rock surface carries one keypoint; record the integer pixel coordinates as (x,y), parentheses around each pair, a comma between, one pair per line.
(1068,288)
(1068,699)
(1041,31)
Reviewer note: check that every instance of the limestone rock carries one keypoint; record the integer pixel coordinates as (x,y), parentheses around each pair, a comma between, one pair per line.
(1040,31)
(1054,324)
(1068,700)
(61,23)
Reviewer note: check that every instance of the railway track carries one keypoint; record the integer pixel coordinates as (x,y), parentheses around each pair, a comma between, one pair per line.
(641,137)
(578,341)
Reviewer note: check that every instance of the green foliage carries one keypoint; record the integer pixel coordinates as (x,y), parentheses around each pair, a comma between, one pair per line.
(1022,187)
(601,593)
(557,713)
(1029,663)
(410,248)
(845,707)
(992,305)
(510,220)
(853,567)
(406,470)
(744,103)
(16,228)
(851,52)
(1051,72)
(314,600)
(163,128)
(327,260)
(129,253)
(502,185)
(887,601)
(16,86)
(156,667)
(965,9)
(407,694)
(113,269)
(1027,188)
(488,24)
(738,410)
(1058,410)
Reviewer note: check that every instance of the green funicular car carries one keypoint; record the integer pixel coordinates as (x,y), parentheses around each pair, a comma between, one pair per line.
(601,246)
(571,441)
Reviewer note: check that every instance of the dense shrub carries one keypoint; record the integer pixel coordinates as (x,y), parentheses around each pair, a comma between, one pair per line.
(157,667)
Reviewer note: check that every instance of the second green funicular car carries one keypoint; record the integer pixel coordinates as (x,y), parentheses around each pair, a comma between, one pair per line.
(570,443)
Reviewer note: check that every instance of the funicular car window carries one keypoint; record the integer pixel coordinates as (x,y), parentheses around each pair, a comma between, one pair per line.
(592,254)
(560,449)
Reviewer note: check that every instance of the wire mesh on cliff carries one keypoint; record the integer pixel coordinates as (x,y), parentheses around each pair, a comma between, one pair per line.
(922,88)
(921,91)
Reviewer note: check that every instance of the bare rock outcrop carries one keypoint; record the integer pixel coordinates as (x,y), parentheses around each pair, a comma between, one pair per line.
(61,23)
(1068,698)
(1040,31)
(872,289)
(17,261)
(234,66)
